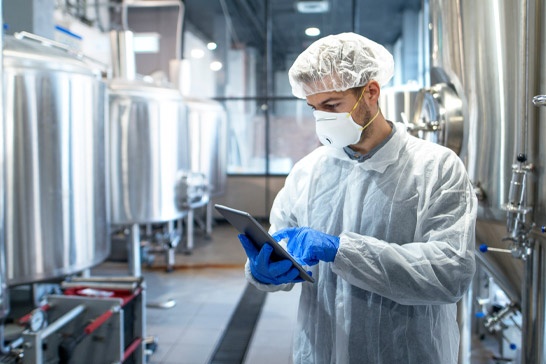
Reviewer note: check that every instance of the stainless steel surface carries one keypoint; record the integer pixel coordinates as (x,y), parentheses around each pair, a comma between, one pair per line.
(149,150)
(439,116)
(475,47)
(433,114)
(208,140)
(123,54)
(490,52)
(539,100)
(77,54)
(57,205)
(464,318)
(61,321)
(4,299)
(133,246)
(398,104)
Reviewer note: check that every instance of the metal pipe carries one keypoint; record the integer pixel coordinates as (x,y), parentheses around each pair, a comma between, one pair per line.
(134,251)
(120,286)
(103,279)
(533,306)
(61,321)
(523,85)
(464,319)
(539,100)
(123,54)
(528,305)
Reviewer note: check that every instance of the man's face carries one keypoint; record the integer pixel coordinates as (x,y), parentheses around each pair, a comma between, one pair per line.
(340,102)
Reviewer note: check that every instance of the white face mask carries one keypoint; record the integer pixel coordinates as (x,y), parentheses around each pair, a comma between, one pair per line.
(338,129)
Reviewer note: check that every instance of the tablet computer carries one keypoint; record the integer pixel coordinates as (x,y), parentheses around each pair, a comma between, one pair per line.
(248,225)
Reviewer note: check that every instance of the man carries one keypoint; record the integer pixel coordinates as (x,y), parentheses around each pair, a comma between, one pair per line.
(384,220)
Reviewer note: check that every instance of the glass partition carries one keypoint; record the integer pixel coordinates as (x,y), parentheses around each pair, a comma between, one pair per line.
(247,48)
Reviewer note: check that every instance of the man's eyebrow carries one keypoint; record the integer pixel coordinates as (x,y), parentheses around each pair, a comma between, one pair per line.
(328,100)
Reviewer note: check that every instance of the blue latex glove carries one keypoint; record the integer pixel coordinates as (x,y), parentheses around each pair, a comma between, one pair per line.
(266,271)
(308,246)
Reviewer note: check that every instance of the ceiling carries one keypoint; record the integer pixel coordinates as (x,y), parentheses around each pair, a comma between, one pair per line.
(379,20)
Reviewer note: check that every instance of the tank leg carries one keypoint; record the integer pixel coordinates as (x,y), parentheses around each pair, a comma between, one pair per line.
(208,231)
(133,248)
(171,246)
(189,232)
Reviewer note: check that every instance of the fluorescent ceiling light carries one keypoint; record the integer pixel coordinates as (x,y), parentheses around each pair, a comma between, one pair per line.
(216,66)
(212,46)
(313,6)
(312,32)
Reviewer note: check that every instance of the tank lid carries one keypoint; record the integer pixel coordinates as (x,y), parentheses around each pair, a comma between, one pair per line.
(28,53)
(138,88)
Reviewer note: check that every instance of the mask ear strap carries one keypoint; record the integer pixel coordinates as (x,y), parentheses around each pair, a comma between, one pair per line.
(372,119)
(360,98)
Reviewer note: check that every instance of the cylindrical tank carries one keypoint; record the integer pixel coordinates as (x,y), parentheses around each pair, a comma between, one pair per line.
(56,220)
(491,54)
(208,142)
(4,299)
(148,152)
(398,103)
(475,49)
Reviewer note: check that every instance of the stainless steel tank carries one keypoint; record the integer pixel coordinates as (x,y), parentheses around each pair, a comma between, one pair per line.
(56,220)
(208,142)
(489,54)
(4,299)
(398,103)
(149,151)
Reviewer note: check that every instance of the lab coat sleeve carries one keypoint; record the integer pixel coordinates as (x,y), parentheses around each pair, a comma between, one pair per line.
(437,268)
(262,286)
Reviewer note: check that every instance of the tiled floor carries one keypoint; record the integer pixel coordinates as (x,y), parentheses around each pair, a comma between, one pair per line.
(207,286)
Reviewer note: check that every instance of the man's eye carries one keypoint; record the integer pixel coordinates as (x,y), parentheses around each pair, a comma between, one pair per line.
(331,106)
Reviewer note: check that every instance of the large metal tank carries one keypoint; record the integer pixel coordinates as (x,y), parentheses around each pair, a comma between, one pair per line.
(149,152)
(475,51)
(56,219)
(489,53)
(4,299)
(208,142)
(398,103)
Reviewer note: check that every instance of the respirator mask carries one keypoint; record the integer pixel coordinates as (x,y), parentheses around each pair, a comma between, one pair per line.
(339,129)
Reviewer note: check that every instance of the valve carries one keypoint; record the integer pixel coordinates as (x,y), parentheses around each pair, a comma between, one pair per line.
(513,346)
(539,100)
(518,221)
(521,250)
(484,248)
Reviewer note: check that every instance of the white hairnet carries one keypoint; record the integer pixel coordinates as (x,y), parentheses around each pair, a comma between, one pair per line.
(338,63)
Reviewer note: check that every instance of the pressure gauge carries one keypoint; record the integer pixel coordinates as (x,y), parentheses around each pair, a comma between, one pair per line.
(37,320)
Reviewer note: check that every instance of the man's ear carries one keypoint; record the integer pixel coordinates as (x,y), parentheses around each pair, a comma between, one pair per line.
(374,90)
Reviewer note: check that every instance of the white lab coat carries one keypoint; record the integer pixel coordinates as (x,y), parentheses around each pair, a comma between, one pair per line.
(406,220)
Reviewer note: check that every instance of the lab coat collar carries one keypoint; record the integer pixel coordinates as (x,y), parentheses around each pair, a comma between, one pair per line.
(385,156)
(389,153)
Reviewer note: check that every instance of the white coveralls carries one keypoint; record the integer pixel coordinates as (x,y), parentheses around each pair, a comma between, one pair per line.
(406,220)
